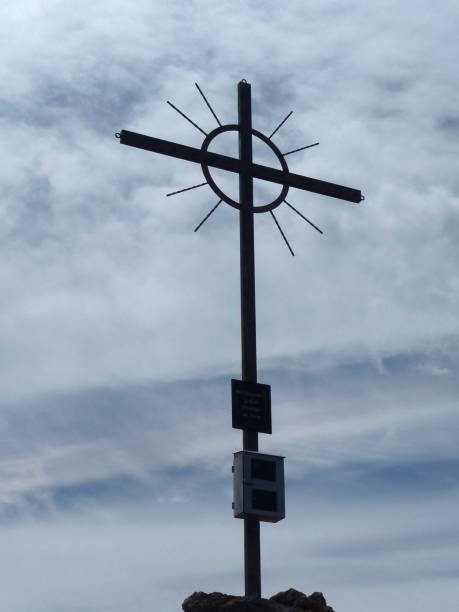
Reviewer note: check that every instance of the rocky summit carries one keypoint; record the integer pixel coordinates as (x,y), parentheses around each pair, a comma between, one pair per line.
(285,601)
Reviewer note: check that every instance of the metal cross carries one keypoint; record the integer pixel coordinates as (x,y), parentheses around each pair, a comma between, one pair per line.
(247,171)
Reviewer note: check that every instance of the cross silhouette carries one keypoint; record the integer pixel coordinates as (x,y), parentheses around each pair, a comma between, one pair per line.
(242,165)
(247,171)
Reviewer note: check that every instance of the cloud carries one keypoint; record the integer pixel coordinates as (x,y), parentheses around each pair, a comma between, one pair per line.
(356,421)
(87,225)
(119,325)
(102,559)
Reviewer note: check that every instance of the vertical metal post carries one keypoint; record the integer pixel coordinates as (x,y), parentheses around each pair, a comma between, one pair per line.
(252,571)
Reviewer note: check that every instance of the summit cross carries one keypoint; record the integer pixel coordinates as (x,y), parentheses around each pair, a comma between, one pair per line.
(247,171)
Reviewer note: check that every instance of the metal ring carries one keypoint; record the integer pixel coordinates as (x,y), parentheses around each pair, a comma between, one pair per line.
(205,169)
(117,135)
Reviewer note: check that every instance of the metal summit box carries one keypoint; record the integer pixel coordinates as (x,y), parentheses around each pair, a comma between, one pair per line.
(259,489)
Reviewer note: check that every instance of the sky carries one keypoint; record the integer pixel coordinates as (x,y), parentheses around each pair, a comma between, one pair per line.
(120,326)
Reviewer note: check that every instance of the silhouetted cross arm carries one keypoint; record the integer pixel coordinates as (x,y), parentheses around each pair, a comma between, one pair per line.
(223,162)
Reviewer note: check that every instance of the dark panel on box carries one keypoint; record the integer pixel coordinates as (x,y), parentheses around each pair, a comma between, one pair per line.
(263,470)
(251,404)
(264,500)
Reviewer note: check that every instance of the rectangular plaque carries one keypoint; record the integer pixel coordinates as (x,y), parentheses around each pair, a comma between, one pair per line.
(251,406)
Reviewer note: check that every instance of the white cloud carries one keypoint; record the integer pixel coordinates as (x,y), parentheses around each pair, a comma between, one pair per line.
(108,295)
(101,560)
(105,238)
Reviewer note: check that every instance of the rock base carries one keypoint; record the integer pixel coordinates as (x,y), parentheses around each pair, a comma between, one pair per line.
(285,601)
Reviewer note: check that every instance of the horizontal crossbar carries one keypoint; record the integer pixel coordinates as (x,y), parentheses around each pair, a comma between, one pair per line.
(215,160)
